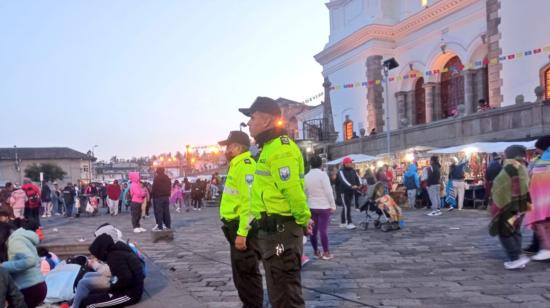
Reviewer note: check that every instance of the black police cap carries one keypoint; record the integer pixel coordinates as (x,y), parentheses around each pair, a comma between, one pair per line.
(236,137)
(262,104)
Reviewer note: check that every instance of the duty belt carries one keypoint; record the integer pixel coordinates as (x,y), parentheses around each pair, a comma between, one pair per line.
(273,223)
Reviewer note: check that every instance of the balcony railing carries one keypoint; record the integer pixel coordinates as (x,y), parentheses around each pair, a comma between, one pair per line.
(316,130)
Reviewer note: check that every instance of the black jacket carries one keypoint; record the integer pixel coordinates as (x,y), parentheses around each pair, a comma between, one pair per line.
(493,170)
(126,268)
(162,186)
(68,194)
(434,175)
(347,178)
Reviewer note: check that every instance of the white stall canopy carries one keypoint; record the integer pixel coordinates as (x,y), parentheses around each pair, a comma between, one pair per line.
(357,158)
(483,147)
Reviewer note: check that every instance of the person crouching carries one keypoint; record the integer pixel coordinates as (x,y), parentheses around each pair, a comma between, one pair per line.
(127,274)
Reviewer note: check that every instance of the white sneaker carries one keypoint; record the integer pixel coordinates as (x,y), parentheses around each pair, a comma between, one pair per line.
(155,228)
(44,216)
(517,264)
(432,213)
(343,225)
(143,230)
(543,254)
(137,230)
(178,210)
(437,212)
(350,226)
(450,209)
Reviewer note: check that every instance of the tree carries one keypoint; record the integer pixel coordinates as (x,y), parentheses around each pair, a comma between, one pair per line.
(51,172)
(114,159)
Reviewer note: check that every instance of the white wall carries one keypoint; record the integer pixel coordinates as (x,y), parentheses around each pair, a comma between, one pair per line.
(524,26)
(422,48)
(352,102)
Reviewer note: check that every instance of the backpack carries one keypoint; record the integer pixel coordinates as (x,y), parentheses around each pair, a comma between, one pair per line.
(410,182)
(33,201)
(140,257)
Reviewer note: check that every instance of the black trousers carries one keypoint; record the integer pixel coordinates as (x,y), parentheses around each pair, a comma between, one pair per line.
(283,268)
(105,299)
(33,214)
(162,212)
(346,207)
(512,243)
(245,268)
(135,210)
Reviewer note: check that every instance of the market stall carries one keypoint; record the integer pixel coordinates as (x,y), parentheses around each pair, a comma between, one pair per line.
(479,156)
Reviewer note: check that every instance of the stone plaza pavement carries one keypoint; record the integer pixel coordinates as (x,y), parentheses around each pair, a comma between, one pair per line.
(445,261)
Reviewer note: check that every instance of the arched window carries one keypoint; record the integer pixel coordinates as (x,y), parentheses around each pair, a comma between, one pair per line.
(452,87)
(348,129)
(420,101)
(547,83)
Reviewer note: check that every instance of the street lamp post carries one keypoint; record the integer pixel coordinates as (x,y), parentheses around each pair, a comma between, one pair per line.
(91,171)
(388,66)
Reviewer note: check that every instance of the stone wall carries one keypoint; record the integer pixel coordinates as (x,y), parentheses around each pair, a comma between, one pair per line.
(375,105)
(517,122)
(493,42)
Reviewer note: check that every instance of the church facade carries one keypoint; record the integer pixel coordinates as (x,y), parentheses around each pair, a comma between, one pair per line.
(455,57)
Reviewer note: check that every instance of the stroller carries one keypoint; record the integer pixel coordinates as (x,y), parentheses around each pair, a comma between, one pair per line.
(381,210)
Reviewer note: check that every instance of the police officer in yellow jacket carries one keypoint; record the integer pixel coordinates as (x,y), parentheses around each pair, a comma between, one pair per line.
(236,218)
(278,204)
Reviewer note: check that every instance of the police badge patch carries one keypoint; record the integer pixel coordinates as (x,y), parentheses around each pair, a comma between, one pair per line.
(249,178)
(284,173)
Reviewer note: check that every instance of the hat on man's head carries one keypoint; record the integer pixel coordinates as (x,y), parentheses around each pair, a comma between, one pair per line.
(347,160)
(515,151)
(495,155)
(262,104)
(543,143)
(236,137)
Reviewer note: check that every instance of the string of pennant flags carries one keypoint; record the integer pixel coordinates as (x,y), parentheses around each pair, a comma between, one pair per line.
(413,75)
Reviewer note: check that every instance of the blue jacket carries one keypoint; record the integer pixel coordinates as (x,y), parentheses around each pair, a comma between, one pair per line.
(23,262)
(411,172)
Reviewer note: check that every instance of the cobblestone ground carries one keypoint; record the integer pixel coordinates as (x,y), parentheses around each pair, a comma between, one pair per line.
(445,261)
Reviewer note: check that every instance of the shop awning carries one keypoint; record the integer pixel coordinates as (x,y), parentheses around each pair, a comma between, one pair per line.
(357,158)
(483,147)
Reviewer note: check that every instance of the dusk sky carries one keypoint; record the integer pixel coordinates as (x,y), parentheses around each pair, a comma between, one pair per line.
(141,77)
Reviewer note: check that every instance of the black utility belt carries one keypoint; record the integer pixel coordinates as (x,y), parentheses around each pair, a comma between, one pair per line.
(273,223)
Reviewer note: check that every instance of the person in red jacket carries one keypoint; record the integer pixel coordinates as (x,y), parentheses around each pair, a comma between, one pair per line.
(113,194)
(32,205)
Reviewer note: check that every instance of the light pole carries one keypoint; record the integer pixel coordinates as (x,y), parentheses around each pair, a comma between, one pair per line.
(388,65)
(91,164)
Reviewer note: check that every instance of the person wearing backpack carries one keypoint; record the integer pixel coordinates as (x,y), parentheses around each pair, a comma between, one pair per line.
(46,198)
(432,176)
(32,205)
(126,284)
(456,175)
(411,181)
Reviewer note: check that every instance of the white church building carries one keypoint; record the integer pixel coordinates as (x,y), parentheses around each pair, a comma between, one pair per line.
(453,56)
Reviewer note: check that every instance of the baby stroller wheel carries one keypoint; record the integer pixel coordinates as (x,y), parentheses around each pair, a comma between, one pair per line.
(377,224)
(364,225)
(395,226)
(385,227)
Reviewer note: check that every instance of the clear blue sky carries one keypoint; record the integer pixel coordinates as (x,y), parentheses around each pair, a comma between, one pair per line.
(140,77)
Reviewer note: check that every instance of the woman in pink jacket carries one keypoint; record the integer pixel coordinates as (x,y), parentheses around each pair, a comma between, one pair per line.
(138,195)
(17,202)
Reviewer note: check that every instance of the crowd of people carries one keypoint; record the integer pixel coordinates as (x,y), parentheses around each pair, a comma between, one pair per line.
(135,195)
